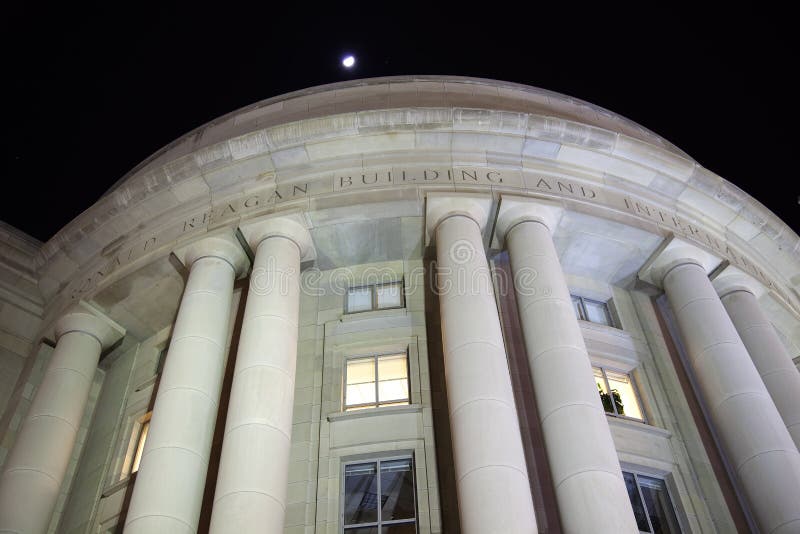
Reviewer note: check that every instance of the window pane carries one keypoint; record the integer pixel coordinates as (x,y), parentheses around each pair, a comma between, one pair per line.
(388,295)
(392,367)
(359,299)
(636,502)
(597,312)
(403,528)
(397,486)
(601,388)
(140,446)
(360,381)
(360,495)
(362,530)
(623,394)
(576,303)
(659,507)
(393,390)
(360,370)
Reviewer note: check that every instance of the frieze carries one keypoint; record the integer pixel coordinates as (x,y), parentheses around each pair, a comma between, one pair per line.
(534,182)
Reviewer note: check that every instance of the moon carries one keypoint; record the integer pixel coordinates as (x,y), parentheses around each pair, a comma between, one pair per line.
(349,61)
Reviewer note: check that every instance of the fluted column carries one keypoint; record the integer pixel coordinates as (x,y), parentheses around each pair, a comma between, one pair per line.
(591,493)
(756,442)
(491,475)
(774,364)
(169,485)
(35,468)
(251,487)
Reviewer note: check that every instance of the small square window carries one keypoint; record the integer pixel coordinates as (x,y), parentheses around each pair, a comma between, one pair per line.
(379,497)
(652,506)
(375,381)
(617,393)
(593,311)
(374,297)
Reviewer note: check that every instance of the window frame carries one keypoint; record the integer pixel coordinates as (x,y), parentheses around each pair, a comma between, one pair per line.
(379,523)
(636,474)
(634,387)
(377,404)
(582,315)
(374,296)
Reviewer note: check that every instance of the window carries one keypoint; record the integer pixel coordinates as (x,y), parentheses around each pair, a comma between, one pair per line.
(592,310)
(652,506)
(374,297)
(136,446)
(375,381)
(379,497)
(617,393)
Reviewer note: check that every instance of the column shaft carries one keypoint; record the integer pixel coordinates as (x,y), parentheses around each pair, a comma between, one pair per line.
(38,461)
(752,434)
(770,357)
(169,484)
(491,475)
(590,490)
(252,481)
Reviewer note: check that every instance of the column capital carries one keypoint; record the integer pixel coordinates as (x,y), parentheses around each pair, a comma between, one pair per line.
(733,279)
(83,317)
(439,206)
(514,210)
(292,226)
(672,253)
(221,244)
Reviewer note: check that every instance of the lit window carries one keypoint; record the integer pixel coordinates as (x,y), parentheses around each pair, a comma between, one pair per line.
(376,381)
(592,310)
(652,506)
(617,393)
(138,437)
(379,497)
(375,297)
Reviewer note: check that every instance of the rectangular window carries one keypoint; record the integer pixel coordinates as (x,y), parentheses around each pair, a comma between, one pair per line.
(379,497)
(617,393)
(592,310)
(652,506)
(136,442)
(374,297)
(374,381)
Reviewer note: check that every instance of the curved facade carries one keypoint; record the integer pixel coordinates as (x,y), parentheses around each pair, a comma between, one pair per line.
(413,304)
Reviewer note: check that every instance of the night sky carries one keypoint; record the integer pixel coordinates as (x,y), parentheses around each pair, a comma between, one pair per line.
(94,90)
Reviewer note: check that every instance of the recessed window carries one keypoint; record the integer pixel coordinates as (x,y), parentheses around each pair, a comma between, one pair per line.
(374,297)
(374,381)
(617,393)
(652,506)
(593,311)
(379,497)
(138,438)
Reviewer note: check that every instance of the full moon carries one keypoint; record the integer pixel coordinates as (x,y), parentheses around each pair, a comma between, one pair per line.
(349,61)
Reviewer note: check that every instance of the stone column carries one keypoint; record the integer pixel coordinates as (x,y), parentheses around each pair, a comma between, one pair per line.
(491,475)
(35,468)
(251,487)
(757,445)
(169,485)
(591,493)
(738,293)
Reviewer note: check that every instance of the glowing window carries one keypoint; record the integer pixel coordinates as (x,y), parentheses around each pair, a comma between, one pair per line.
(375,381)
(374,297)
(617,393)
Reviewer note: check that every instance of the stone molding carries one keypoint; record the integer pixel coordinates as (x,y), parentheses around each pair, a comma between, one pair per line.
(440,206)
(672,253)
(222,244)
(293,226)
(732,279)
(514,210)
(83,317)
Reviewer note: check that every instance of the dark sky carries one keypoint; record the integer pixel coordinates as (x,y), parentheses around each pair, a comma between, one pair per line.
(94,90)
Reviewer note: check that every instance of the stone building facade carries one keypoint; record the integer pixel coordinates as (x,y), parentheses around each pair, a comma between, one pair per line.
(413,304)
